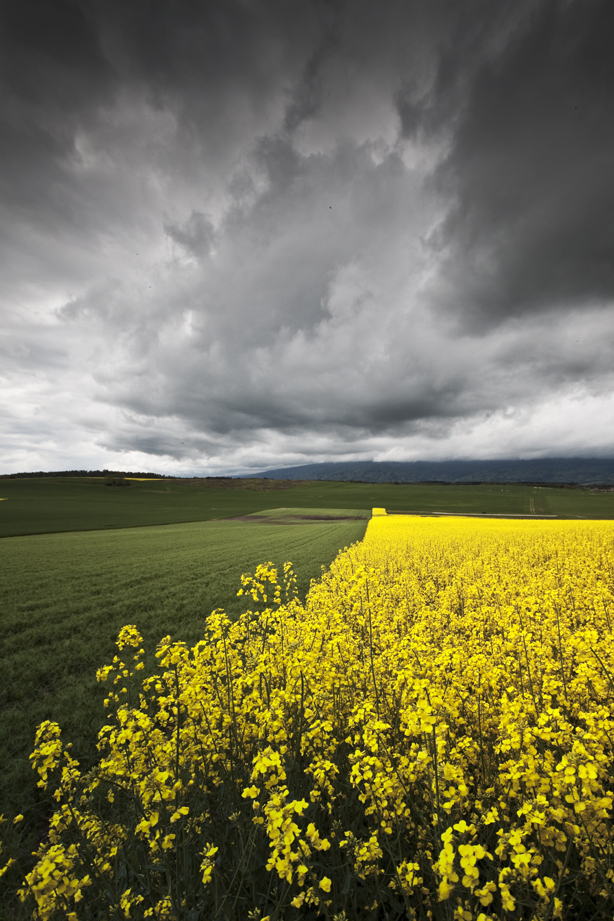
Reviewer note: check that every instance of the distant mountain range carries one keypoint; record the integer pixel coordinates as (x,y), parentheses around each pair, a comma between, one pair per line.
(556,470)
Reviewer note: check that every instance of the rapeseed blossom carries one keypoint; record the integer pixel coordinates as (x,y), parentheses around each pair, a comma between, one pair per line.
(430,735)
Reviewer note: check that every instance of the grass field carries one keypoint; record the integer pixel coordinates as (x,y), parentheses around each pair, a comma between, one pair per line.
(36,506)
(64,597)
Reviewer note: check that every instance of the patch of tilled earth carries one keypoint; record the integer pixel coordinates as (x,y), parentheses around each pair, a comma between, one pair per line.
(290,519)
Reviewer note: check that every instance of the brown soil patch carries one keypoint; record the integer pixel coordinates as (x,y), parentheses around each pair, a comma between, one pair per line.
(288,519)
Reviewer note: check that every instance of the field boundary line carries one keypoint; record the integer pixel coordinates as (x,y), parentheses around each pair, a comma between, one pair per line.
(474,515)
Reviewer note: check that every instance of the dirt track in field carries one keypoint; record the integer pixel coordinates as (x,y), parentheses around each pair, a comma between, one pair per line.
(289,519)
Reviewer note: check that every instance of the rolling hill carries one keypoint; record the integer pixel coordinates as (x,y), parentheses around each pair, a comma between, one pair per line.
(553,470)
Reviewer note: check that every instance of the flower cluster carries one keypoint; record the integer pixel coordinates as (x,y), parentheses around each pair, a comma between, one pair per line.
(431,735)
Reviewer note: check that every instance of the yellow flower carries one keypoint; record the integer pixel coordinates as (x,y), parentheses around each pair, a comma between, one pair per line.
(446,684)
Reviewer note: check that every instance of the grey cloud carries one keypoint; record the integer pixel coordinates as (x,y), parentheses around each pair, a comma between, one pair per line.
(11,345)
(54,76)
(243,232)
(530,169)
(196,235)
(307,95)
(219,67)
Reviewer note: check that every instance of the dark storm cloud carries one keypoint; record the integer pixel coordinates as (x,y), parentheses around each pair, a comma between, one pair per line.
(54,78)
(252,231)
(530,168)
(196,235)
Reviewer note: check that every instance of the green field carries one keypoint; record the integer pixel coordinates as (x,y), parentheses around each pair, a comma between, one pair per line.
(80,559)
(36,506)
(64,596)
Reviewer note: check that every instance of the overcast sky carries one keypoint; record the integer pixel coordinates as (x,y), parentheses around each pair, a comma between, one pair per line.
(242,234)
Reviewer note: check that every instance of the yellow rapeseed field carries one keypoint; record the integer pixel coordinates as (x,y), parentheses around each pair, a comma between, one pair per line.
(429,736)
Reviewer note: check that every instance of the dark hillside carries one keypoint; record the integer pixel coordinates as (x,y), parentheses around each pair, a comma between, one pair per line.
(551,470)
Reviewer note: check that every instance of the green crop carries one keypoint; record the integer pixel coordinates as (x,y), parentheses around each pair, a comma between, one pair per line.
(63,598)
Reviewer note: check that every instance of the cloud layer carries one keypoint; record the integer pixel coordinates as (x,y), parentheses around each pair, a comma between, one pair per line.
(256,233)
